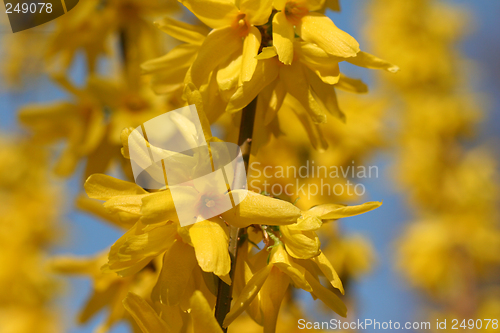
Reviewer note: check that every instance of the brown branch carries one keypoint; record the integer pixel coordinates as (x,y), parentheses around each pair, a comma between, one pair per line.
(225,291)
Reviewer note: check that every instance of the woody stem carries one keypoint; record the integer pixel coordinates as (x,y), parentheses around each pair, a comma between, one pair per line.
(225,291)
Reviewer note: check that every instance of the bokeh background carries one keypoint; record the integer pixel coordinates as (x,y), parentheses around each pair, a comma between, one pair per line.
(383,293)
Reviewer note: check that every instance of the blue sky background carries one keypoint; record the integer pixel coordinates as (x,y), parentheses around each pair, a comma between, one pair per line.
(382,294)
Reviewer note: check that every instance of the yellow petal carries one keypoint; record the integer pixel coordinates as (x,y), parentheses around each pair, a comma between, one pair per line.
(300,244)
(326,267)
(319,29)
(125,203)
(103,187)
(168,72)
(313,130)
(266,72)
(280,259)
(92,206)
(297,86)
(210,243)
(368,60)
(326,296)
(306,223)
(214,13)
(335,211)
(144,315)
(283,36)
(177,269)
(273,97)
(251,47)
(137,247)
(257,11)
(272,294)
(210,55)
(352,85)
(267,52)
(260,209)
(189,33)
(320,62)
(325,95)
(228,76)
(158,207)
(202,315)
(247,295)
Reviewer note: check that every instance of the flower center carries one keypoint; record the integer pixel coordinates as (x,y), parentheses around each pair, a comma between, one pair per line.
(241,24)
(295,11)
(209,203)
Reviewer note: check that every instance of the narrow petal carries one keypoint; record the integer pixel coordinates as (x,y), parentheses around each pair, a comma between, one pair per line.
(202,315)
(283,36)
(177,269)
(125,203)
(104,187)
(258,11)
(320,62)
(267,53)
(247,295)
(266,72)
(297,86)
(368,60)
(272,96)
(313,130)
(214,13)
(335,211)
(144,315)
(210,56)
(280,259)
(300,244)
(210,242)
(251,46)
(158,207)
(272,294)
(352,85)
(261,209)
(326,296)
(326,267)
(325,95)
(137,247)
(189,33)
(228,76)
(319,29)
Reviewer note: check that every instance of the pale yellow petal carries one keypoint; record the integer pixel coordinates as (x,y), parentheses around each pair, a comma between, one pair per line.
(336,211)
(283,36)
(104,187)
(158,207)
(368,60)
(210,55)
(319,29)
(297,85)
(144,315)
(326,296)
(326,267)
(352,85)
(189,33)
(247,294)
(178,264)
(260,209)
(300,244)
(266,72)
(251,46)
(258,11)
(279,258)
(272,295)
(202,315)
(210,241)
(214,13)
